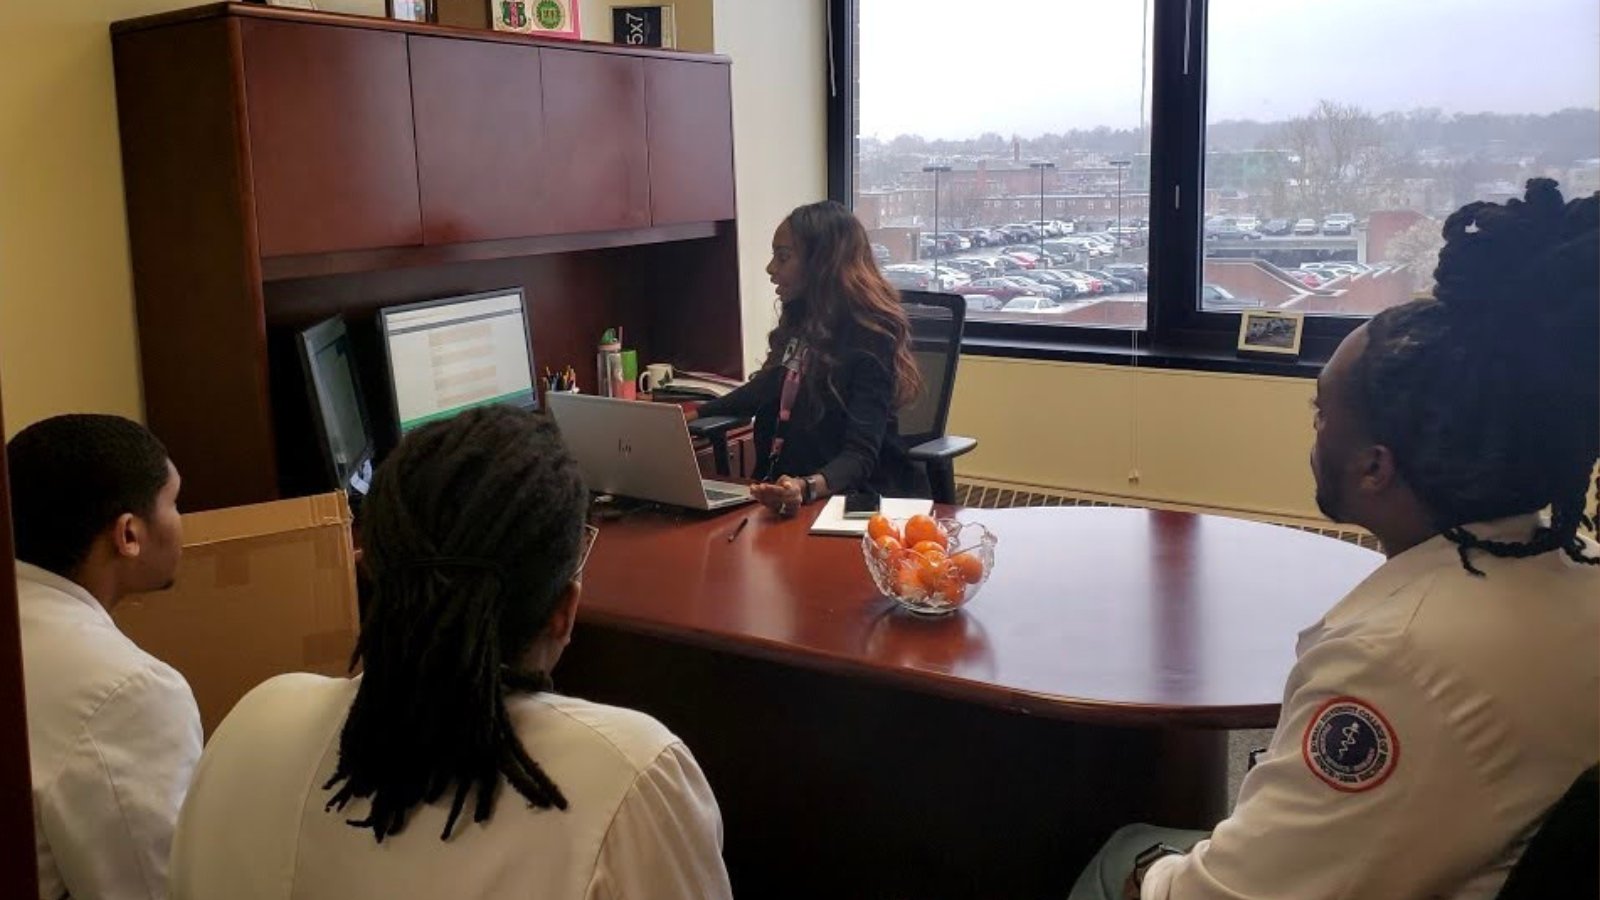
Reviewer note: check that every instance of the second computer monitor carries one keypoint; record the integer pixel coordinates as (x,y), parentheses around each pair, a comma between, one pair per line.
(456,353)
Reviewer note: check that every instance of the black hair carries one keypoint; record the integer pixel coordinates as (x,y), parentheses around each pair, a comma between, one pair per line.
(471,533)
(1489,392)
(71,478)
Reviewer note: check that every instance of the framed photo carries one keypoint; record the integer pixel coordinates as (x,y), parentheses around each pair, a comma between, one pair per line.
(643,26)
(1271,334)
(410,10)
(541,18)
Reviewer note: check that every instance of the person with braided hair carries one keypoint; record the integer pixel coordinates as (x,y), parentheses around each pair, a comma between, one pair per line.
(1437,712)
(449,767)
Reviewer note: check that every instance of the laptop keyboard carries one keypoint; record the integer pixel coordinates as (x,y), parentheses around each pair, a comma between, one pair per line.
(717,496)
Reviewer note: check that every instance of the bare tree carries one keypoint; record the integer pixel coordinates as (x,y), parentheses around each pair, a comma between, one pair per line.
(1339,160)
(1418,249)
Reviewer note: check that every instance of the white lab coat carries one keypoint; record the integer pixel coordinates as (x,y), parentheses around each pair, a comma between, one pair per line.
(641,820)
(1431,720)
(113,736)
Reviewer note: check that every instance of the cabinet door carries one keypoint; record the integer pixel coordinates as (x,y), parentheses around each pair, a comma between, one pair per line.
(480,140)
(332,155)
(690,109)
(597,178)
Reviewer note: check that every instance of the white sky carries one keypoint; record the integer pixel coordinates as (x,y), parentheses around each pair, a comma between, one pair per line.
(956,68)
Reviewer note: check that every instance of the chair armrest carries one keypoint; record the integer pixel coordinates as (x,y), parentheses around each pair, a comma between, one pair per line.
(713,427)
(948,447)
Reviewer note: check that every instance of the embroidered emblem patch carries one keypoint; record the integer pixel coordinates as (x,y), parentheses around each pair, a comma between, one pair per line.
(1350,746)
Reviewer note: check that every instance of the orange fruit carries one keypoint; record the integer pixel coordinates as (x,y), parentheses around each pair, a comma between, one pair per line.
(886,546)
(879,527)
(951,590)
(924,528)
(931,572)
(969,566)
(933,550)
(908,580)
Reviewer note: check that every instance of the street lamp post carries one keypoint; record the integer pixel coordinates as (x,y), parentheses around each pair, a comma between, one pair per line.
(1119,165)
(1041,167)
(936,170)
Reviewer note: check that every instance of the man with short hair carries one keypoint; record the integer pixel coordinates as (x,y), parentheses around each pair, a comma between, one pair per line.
(1436,714)
(113,732)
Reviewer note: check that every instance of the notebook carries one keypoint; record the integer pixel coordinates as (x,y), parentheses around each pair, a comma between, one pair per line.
(832,521)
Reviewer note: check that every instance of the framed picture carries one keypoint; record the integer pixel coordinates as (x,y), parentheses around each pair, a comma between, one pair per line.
(541,18)
(643,26)
(410,10)
(1270,334)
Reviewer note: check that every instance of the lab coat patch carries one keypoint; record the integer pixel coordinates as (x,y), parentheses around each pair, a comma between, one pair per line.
(1350,746)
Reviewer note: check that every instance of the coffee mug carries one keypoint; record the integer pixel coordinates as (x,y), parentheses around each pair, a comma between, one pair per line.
(654,376)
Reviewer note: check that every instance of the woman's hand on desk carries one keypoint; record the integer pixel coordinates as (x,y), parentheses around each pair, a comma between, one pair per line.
(782,496)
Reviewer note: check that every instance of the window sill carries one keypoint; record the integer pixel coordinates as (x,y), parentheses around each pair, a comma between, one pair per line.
(1156,357)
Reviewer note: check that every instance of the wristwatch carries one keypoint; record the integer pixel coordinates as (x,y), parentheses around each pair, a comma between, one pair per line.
(808,489)
(1147,858)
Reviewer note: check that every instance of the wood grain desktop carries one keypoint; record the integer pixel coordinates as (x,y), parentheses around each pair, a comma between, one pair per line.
(860,751)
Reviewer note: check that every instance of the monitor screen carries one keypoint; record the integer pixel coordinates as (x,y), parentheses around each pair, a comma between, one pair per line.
(453,354)
(337,409)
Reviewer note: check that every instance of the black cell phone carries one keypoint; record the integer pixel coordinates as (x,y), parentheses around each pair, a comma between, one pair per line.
(861,504)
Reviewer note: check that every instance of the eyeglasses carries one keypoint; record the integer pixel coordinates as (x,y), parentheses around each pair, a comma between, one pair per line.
(590,535)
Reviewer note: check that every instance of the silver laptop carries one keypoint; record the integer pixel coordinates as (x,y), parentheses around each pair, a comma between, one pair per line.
(636,449)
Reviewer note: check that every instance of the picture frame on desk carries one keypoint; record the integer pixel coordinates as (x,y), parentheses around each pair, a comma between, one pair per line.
(540,18)
(1270,334)
(644,26)
(410,10)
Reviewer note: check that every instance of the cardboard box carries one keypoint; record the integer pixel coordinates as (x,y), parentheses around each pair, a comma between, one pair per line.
(262,590)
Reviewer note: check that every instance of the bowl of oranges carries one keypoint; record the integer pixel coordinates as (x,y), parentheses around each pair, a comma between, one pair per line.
(929,566)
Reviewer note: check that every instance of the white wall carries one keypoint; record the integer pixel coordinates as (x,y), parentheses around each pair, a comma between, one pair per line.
(779,129)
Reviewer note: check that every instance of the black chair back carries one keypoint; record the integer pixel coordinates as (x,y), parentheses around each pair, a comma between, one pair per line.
(936,324)
(1563,859)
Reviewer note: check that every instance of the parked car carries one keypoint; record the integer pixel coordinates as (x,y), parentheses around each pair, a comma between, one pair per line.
(1070,287)
(1033,304)
(1038,288)
(1331,225)
(1276,227)
(974,266)
(1138,273)
(880,254)
(1028,258)
(906,279)
(1117,284)
(1307,278)
(1305,226)
(1214,296)
(982,302)
(1001,288)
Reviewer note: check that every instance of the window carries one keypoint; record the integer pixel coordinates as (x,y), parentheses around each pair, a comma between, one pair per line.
(1339,135)
(1195,158)
(995,155)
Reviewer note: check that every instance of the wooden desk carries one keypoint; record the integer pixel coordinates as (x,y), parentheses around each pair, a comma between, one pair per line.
(859,751)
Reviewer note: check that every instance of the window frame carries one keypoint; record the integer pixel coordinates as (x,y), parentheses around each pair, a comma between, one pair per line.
(1177,333)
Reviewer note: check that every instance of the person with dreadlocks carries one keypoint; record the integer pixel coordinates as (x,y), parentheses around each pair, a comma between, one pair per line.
(1437,712)
(449,767)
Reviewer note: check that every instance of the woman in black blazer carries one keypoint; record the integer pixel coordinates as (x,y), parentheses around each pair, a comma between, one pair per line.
(838,367)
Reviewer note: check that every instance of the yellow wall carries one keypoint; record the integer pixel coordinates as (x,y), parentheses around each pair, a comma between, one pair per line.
(1235,443)
(779,123)
(66,306)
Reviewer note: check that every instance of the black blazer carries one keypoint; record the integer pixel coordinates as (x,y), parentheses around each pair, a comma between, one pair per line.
(854,444)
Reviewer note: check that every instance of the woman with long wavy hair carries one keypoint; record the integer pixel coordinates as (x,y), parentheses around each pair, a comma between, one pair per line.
(838,368)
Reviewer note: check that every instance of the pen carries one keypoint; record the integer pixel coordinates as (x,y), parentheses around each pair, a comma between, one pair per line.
(738,528)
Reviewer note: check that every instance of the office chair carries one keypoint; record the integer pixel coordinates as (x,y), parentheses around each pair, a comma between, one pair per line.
(937,321)
(1562,859)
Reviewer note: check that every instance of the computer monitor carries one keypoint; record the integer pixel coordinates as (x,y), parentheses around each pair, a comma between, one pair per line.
(337,412)
(456,353)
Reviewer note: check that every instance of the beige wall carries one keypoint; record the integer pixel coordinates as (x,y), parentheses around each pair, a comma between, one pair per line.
(1235,443)
(66,308)
(779,123)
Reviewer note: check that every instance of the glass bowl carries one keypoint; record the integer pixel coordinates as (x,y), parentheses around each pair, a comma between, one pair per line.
(930,584)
